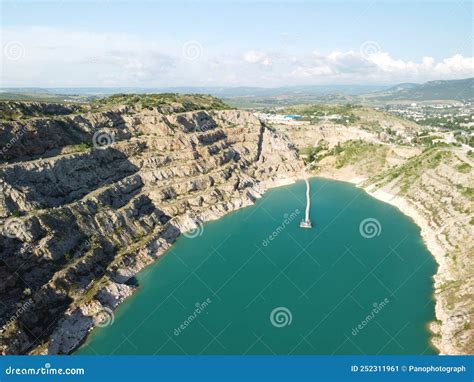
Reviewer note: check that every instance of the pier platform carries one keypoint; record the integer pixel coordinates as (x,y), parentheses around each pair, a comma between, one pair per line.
(306,224)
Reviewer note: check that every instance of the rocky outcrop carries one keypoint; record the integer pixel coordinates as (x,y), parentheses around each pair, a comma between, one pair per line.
(88,200)
(435,190)
(433,186)
(17,110)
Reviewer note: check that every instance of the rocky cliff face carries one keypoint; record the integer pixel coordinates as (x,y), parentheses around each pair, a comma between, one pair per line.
(435,188)
(432,185)
(89,198)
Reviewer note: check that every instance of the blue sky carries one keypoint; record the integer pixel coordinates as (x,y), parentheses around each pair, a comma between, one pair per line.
(233,43)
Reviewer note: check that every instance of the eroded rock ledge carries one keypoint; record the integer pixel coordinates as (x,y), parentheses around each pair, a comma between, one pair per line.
(82,218)
(432,185)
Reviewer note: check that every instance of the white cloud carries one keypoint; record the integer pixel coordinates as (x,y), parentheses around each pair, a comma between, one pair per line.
(51,57)
(64,58)
(455,64)
(257,57)
(381,67)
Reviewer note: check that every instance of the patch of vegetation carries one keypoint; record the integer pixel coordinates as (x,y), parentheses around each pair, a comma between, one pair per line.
(428,140)
(14,110)
(463,137)
(165,101)
(464,168)
(44,97)
(466,191)
(8,115)
(450,123)
(412,169)
(82,147)
(314,153)
(449,285)
(374,126)
(341,114)
(138,237)
(352,151)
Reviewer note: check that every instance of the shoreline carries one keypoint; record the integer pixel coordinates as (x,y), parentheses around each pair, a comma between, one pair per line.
(437,251)
(121,291)
(428,236)
(73,330)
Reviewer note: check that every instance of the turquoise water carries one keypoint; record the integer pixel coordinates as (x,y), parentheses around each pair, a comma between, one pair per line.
(332,290)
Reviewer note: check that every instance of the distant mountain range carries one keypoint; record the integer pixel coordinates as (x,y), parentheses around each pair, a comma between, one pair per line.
(429,91)
(405,86)
(241,91)
(433,90)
